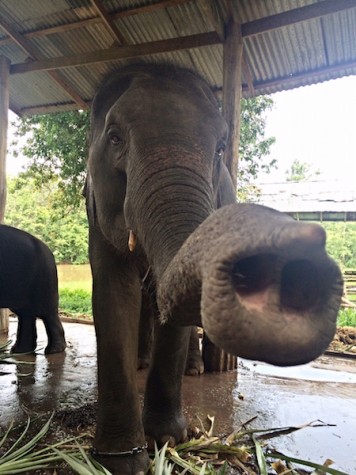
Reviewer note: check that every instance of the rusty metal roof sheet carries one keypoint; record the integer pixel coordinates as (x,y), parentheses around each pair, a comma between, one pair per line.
(286,43)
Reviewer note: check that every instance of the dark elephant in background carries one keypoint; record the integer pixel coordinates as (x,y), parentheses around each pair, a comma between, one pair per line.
(259,283)
(29,288)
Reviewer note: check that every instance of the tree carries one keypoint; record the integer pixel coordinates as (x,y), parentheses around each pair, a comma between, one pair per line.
(56,146)
(301,171)
(41,211)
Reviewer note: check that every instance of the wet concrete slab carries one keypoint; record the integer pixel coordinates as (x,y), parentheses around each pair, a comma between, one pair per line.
(276,397)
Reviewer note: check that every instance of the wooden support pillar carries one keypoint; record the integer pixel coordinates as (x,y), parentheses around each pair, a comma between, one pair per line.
(214,358)
(232,93)
(4,114)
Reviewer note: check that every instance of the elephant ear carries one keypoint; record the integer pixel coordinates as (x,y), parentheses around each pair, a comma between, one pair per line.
(88,192)
(224,190)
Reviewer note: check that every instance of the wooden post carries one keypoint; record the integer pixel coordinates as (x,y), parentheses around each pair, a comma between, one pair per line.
(4,114)
(232,93)
(214,358)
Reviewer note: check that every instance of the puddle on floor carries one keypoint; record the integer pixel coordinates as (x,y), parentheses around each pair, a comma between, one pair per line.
(324,390)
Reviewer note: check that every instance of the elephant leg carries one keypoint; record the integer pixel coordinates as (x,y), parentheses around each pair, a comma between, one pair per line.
(194,365)
(146,332)
(26,338)
(119,440)
(55,333)
(162,414)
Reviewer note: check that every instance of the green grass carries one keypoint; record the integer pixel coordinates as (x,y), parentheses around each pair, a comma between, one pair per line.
(347,317)
(75,301)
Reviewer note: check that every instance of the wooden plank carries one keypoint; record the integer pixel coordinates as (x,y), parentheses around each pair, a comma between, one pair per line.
(96,20)
(4,119)
(108,22)
(232,93)
(296,15)
(120,52)
(31,50)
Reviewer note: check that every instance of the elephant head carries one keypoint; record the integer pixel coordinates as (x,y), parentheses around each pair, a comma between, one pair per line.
(261,283)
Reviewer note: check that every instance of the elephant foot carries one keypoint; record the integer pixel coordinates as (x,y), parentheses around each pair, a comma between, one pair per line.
(162,428)
(136,464)
(23,348)
(55,347)
(195,365)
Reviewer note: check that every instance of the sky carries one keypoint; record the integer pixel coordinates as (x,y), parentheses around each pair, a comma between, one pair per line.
(317,125)
(314,124)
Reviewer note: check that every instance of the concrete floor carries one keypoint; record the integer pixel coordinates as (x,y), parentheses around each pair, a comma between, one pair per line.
(279,397)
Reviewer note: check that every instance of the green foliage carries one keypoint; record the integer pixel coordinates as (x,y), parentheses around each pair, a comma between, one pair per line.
(341,243)
(301,171)
(56,146)
(347,317)
(75,301)
(44,213)
(254,148)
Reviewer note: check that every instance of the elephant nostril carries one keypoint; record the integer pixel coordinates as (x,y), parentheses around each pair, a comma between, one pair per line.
(253,274)
(300,285)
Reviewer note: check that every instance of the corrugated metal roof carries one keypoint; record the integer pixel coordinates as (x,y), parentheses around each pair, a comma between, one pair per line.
(307,197)
(279,53)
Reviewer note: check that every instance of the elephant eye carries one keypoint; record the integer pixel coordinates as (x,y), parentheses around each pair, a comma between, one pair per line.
(220,152)
(114,139)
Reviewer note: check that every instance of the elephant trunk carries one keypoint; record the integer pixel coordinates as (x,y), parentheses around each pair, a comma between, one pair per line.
(262,283)
(171,202)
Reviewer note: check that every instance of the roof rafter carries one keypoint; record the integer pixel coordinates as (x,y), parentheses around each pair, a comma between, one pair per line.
(34,53)
(96,20)
(120,52)
(108,22)
(296,15)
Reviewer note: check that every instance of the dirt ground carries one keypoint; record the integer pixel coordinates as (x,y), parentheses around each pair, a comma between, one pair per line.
(344,341)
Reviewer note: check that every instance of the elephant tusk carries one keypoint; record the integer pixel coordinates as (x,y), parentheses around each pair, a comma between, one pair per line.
(132,241)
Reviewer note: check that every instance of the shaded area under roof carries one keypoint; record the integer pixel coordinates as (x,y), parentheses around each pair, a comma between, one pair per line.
(60,50)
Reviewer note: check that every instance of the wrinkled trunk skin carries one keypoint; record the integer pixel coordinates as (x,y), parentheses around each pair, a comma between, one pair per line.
(265,285)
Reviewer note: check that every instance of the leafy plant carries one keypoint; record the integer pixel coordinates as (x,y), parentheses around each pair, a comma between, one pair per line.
(75,301)
(347,317)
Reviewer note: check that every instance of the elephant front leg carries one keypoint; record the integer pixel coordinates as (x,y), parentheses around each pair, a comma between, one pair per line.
(119,442)
(162,415)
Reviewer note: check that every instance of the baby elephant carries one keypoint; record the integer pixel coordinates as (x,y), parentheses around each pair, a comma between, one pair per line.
(29,288)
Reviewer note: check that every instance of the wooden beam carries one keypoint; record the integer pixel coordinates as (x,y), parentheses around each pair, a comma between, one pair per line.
(310,74)
(117,53)
(96,20)
(31,50)
(4,119)
(108,22)
(232,93)
(296,15)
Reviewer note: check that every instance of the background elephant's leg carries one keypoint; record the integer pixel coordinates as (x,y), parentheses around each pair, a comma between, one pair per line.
(162,415)
(54,330)
(146,331)
(116,311)
(194,365)
(26,338)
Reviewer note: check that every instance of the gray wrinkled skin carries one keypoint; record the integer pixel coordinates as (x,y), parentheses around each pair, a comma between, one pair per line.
(155,173)
(29,288)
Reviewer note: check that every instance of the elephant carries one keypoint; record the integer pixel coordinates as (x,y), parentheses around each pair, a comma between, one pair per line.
(260,284)
(29,288)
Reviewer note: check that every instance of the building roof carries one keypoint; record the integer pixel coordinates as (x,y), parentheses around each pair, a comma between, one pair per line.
(313,200)
(60,49)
